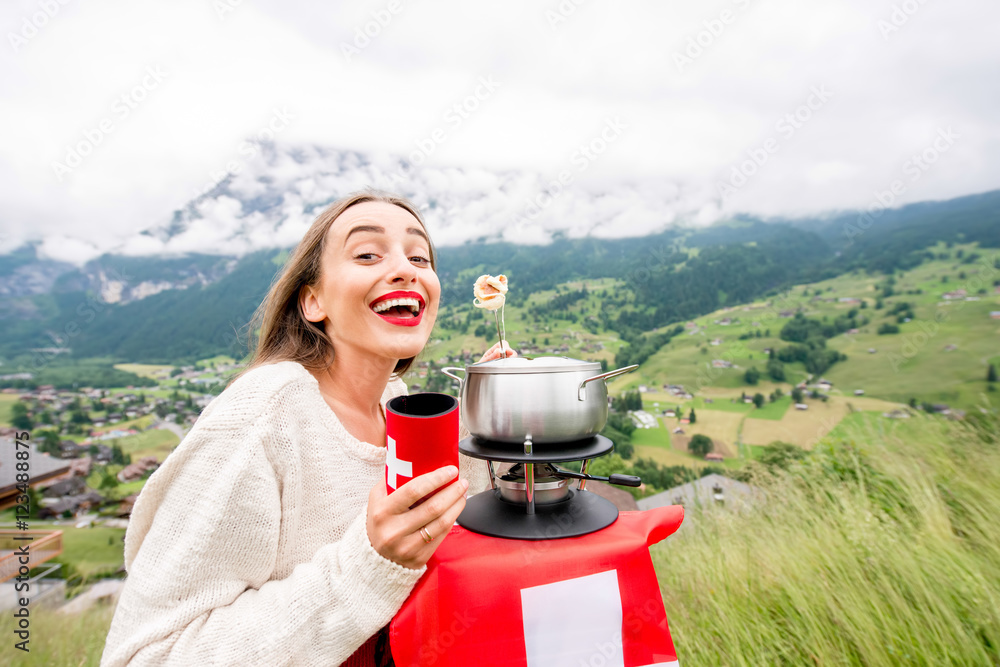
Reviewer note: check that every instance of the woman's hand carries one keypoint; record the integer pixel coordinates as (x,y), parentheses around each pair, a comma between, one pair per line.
(494,352)
(410,536)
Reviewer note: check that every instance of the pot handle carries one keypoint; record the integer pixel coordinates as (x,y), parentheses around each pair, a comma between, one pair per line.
(581,393)
(452,375)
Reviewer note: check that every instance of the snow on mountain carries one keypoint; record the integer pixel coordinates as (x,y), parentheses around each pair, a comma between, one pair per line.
(270,201)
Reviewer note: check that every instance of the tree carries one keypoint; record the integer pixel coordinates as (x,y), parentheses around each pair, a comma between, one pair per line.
(758,399)
(19,417)
(700,445)
(50,443)
(79,417)
(752,375)
(991,373)
(108,480)
(118,457)
(776,369)
(692,417)
(797,395)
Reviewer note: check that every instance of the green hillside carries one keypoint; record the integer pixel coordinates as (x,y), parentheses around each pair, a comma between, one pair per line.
(939,357)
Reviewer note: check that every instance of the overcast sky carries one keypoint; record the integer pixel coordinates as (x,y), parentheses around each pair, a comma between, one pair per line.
(115,112)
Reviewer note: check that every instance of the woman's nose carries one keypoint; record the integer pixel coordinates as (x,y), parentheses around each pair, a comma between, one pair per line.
(402,269)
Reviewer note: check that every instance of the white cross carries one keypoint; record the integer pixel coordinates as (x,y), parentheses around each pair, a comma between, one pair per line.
(395,466)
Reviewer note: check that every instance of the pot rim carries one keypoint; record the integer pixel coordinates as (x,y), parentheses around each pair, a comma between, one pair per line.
(527,365)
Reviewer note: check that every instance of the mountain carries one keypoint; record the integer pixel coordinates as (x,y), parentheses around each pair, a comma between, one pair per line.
(184,301)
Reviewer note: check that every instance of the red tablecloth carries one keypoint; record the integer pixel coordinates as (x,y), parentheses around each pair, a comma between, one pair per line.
(581,601)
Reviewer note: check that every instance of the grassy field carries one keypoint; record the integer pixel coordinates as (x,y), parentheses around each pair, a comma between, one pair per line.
(806,427)
(879,550)
(92,549)
(883,554)
(718,425)
(58,640)
(775,411)
(918,362)
(154,442)
(6,402)
(668,456)
(153,371)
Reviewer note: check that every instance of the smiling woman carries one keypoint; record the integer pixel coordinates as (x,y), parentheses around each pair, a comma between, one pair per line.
(267,535)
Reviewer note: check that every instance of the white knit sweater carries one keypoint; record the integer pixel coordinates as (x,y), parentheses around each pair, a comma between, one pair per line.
(248,545)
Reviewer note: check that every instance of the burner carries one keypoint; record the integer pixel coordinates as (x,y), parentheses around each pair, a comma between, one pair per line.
(581,513)
(548,487)
(533,499)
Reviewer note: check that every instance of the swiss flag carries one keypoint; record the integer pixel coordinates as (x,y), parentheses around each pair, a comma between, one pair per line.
(588,601)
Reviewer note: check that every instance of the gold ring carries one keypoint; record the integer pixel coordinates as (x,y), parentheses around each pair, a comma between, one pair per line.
(425,535)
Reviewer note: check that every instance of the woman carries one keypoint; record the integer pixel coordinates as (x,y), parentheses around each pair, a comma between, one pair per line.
(267,537)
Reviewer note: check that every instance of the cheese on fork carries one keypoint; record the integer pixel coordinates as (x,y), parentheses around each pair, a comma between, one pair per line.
(490,292)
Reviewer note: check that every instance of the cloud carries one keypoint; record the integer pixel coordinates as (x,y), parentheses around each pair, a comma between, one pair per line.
(414,90)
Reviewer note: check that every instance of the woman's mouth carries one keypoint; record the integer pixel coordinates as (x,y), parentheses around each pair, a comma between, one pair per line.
(405,309)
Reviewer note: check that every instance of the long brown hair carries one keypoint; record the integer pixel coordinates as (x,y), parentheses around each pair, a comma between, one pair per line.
(284,332)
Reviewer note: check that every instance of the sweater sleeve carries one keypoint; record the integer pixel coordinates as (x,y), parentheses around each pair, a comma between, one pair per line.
(199,587)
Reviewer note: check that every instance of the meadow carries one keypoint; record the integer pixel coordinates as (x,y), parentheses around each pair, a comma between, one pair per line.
(880,548)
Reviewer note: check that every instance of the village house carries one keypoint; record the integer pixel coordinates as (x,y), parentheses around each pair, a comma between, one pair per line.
(75,504)
(710,490)
(137,469)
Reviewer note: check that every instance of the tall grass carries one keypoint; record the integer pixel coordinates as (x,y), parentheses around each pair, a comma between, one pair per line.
(62,640)
(873,551)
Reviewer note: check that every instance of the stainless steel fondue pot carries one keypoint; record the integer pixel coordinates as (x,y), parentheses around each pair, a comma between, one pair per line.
(542,399)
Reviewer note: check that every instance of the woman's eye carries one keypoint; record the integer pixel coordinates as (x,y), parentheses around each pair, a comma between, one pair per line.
(419,259)
(365,255)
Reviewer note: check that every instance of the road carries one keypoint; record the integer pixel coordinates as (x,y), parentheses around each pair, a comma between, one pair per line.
(175,428)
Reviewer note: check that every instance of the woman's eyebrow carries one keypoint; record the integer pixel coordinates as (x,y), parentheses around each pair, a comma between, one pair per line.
(381,230)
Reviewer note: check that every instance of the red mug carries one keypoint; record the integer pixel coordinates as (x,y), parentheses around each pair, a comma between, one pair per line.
(421,436)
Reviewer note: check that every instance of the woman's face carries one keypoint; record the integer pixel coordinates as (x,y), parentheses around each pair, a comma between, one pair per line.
(377,293)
